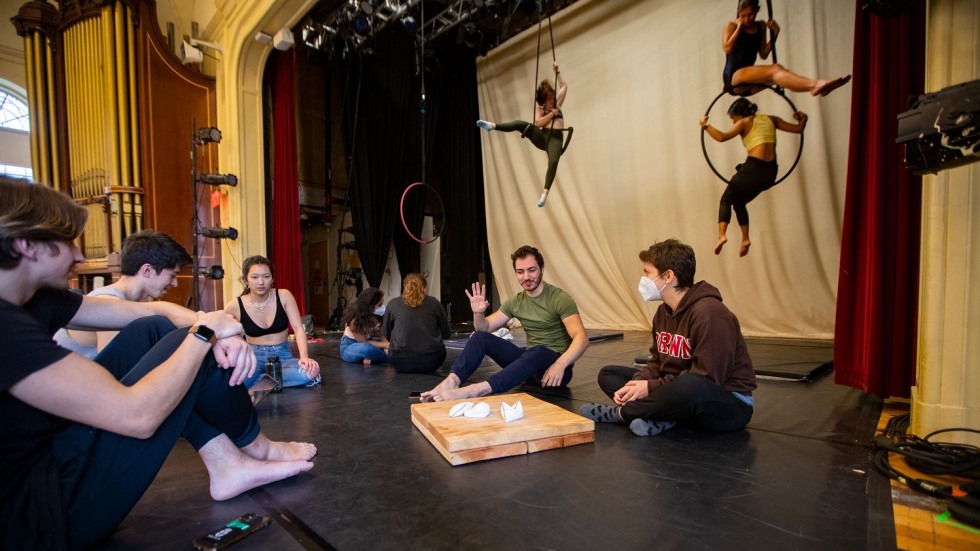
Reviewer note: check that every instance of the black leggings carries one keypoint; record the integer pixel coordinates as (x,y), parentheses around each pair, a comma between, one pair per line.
(751,178)
(104,474)
(547,139)
(690,400)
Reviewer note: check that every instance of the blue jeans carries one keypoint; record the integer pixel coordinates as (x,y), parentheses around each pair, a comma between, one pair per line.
(292,375)
(355,352)
(519,365)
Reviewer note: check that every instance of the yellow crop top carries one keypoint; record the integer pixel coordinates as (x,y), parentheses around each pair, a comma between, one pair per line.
(763,131)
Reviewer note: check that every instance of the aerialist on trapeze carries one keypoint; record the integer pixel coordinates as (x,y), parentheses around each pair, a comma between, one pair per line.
(546,132)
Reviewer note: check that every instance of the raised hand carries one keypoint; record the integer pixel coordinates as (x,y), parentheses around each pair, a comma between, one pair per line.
(478,300)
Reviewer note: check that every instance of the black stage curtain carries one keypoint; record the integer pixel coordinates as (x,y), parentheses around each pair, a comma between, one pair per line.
(386,159)
(457,173)
(385,156)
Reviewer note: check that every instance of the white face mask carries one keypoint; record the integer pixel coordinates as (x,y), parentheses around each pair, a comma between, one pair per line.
(648,288)
(379,311)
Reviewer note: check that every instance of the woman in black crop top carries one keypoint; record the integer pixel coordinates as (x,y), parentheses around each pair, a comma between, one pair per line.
(547,118)
(742,39)
(266,314)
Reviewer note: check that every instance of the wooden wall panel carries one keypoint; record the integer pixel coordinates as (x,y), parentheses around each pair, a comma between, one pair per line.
(174,102)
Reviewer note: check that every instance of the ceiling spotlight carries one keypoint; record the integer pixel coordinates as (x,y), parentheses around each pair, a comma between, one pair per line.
(208,135)
(410,25)
(362,25)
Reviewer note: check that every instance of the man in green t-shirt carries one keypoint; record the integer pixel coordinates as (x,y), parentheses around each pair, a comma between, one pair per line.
(556,337)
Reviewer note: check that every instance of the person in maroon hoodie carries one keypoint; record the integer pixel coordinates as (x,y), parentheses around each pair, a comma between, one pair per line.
(700,374)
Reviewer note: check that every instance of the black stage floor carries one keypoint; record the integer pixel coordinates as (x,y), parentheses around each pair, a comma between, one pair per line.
(797,478)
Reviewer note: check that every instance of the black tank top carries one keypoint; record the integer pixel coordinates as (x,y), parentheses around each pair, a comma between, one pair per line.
(745,51)
(279,323)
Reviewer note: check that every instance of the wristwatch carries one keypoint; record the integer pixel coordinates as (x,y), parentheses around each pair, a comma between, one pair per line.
(203,332)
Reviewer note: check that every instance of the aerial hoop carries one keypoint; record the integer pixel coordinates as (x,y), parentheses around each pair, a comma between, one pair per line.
(401,209)
(704,149)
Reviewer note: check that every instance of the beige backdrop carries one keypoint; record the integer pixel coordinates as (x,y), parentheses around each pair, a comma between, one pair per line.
(640,74)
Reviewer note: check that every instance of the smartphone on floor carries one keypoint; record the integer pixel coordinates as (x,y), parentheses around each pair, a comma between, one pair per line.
(232,532)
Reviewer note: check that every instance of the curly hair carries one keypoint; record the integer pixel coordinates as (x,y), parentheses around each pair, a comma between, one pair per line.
(36,212)
(414,292)
(544,91)
(359,315)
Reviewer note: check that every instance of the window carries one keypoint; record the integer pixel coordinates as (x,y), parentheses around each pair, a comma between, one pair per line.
(14,114)
(17,171)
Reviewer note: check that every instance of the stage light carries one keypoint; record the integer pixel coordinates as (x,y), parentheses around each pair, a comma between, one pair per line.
(218,179)
(410,25)
(362,25)
(472,36)
(213,272)
(208,135)
(218,233)
(942,129)
(367,6)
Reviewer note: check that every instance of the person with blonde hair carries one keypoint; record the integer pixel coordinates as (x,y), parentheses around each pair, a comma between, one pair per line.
(415,324)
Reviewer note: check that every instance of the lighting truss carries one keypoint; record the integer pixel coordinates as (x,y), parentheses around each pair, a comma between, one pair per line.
(320,34)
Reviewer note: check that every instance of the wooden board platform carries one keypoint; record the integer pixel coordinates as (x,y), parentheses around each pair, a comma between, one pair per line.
(464,440)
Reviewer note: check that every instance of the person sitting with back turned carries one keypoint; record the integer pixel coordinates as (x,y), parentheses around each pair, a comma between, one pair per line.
(556,337)
(83,441)
(700,374)
(415,325)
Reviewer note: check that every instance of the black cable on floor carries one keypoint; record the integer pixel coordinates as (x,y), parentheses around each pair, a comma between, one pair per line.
(933,458)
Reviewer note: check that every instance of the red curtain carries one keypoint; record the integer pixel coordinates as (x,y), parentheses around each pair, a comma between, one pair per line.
(877,297)
(286,236)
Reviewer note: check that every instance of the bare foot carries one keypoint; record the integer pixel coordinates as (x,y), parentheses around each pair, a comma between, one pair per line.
(744,250)
(450,383)
(235,477)
(264,449)
(721,243)
(824,87)
(233,472)
(366,361)
(468,391)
